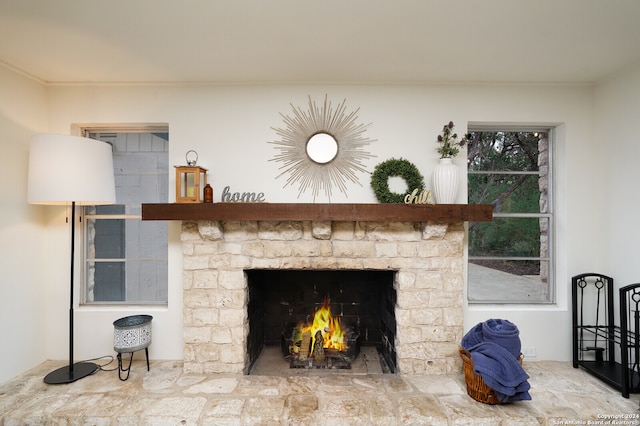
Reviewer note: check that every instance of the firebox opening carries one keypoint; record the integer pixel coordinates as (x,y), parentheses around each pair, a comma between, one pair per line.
(363,301)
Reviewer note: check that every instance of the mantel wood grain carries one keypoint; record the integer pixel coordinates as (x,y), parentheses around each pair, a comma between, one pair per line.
(319,212)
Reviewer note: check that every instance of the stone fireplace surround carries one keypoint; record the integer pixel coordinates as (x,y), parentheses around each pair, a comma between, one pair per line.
(427,258)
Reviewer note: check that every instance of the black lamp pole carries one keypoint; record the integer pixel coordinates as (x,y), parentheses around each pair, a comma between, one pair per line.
(72,372)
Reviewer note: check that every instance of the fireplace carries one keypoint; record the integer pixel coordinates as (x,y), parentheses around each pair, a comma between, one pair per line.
(421,264)
(352,308)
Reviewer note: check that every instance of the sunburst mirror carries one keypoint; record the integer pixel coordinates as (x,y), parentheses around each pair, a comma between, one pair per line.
(321,147)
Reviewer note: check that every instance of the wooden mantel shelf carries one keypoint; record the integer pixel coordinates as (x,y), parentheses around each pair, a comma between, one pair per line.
(319,212)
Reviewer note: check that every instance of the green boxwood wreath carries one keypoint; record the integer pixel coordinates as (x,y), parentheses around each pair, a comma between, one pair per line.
(395,167)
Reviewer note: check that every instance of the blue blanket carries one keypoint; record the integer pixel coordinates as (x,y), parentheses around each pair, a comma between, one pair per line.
(501,372)
(499,331)
(495,348)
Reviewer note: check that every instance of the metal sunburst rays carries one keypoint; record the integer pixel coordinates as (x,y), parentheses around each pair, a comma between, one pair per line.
(306,172)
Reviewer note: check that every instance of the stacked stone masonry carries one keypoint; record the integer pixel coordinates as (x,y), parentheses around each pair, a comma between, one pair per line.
(427,258)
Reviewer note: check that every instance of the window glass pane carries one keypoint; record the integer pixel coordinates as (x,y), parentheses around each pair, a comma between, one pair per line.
(507,237)
(129,281)
(148,240)
(108,284)
(143,277)
(509,193)
(503,151)
(515,281)
(109,239)
(127,238)
(106,209)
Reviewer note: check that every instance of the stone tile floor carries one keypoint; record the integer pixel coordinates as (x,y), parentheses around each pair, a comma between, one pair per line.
(167,396)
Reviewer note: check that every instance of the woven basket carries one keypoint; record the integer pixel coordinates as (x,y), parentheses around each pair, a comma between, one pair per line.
(476,387)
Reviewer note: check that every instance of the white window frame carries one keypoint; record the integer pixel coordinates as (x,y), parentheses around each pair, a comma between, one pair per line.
(549,215)
(85,130)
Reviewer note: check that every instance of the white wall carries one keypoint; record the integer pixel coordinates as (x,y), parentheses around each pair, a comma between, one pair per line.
(22,247)
(617,109)
(229,127)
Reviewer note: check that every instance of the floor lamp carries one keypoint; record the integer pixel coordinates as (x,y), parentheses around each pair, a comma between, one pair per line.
(76,171)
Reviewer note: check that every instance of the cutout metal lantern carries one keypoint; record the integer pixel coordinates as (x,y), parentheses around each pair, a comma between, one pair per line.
(131,334)
(190,180)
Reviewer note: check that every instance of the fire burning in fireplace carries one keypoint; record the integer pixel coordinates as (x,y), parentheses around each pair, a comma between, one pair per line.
(323,343)
(325,325)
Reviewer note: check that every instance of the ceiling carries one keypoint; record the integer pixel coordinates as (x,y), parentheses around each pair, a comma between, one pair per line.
(341,41)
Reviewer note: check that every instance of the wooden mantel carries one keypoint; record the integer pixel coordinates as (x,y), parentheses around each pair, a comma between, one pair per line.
(319,212)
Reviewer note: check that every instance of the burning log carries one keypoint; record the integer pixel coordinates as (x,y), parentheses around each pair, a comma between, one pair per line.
(318,347)
(321,344)
(305,345)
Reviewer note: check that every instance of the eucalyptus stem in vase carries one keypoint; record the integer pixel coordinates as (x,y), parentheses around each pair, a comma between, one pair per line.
(445,175)
(449,143)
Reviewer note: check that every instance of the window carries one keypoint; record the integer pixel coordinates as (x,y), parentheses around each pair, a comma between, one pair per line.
(126,258)
(510,258)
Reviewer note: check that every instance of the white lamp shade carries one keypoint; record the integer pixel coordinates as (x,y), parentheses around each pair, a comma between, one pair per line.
(65,169)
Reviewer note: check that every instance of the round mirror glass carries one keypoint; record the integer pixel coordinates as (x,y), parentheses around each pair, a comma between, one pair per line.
(322,148)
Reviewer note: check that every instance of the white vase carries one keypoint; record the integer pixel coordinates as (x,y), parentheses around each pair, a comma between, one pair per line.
(445,182)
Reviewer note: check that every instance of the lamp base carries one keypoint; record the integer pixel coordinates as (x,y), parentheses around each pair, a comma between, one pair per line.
(65,375)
